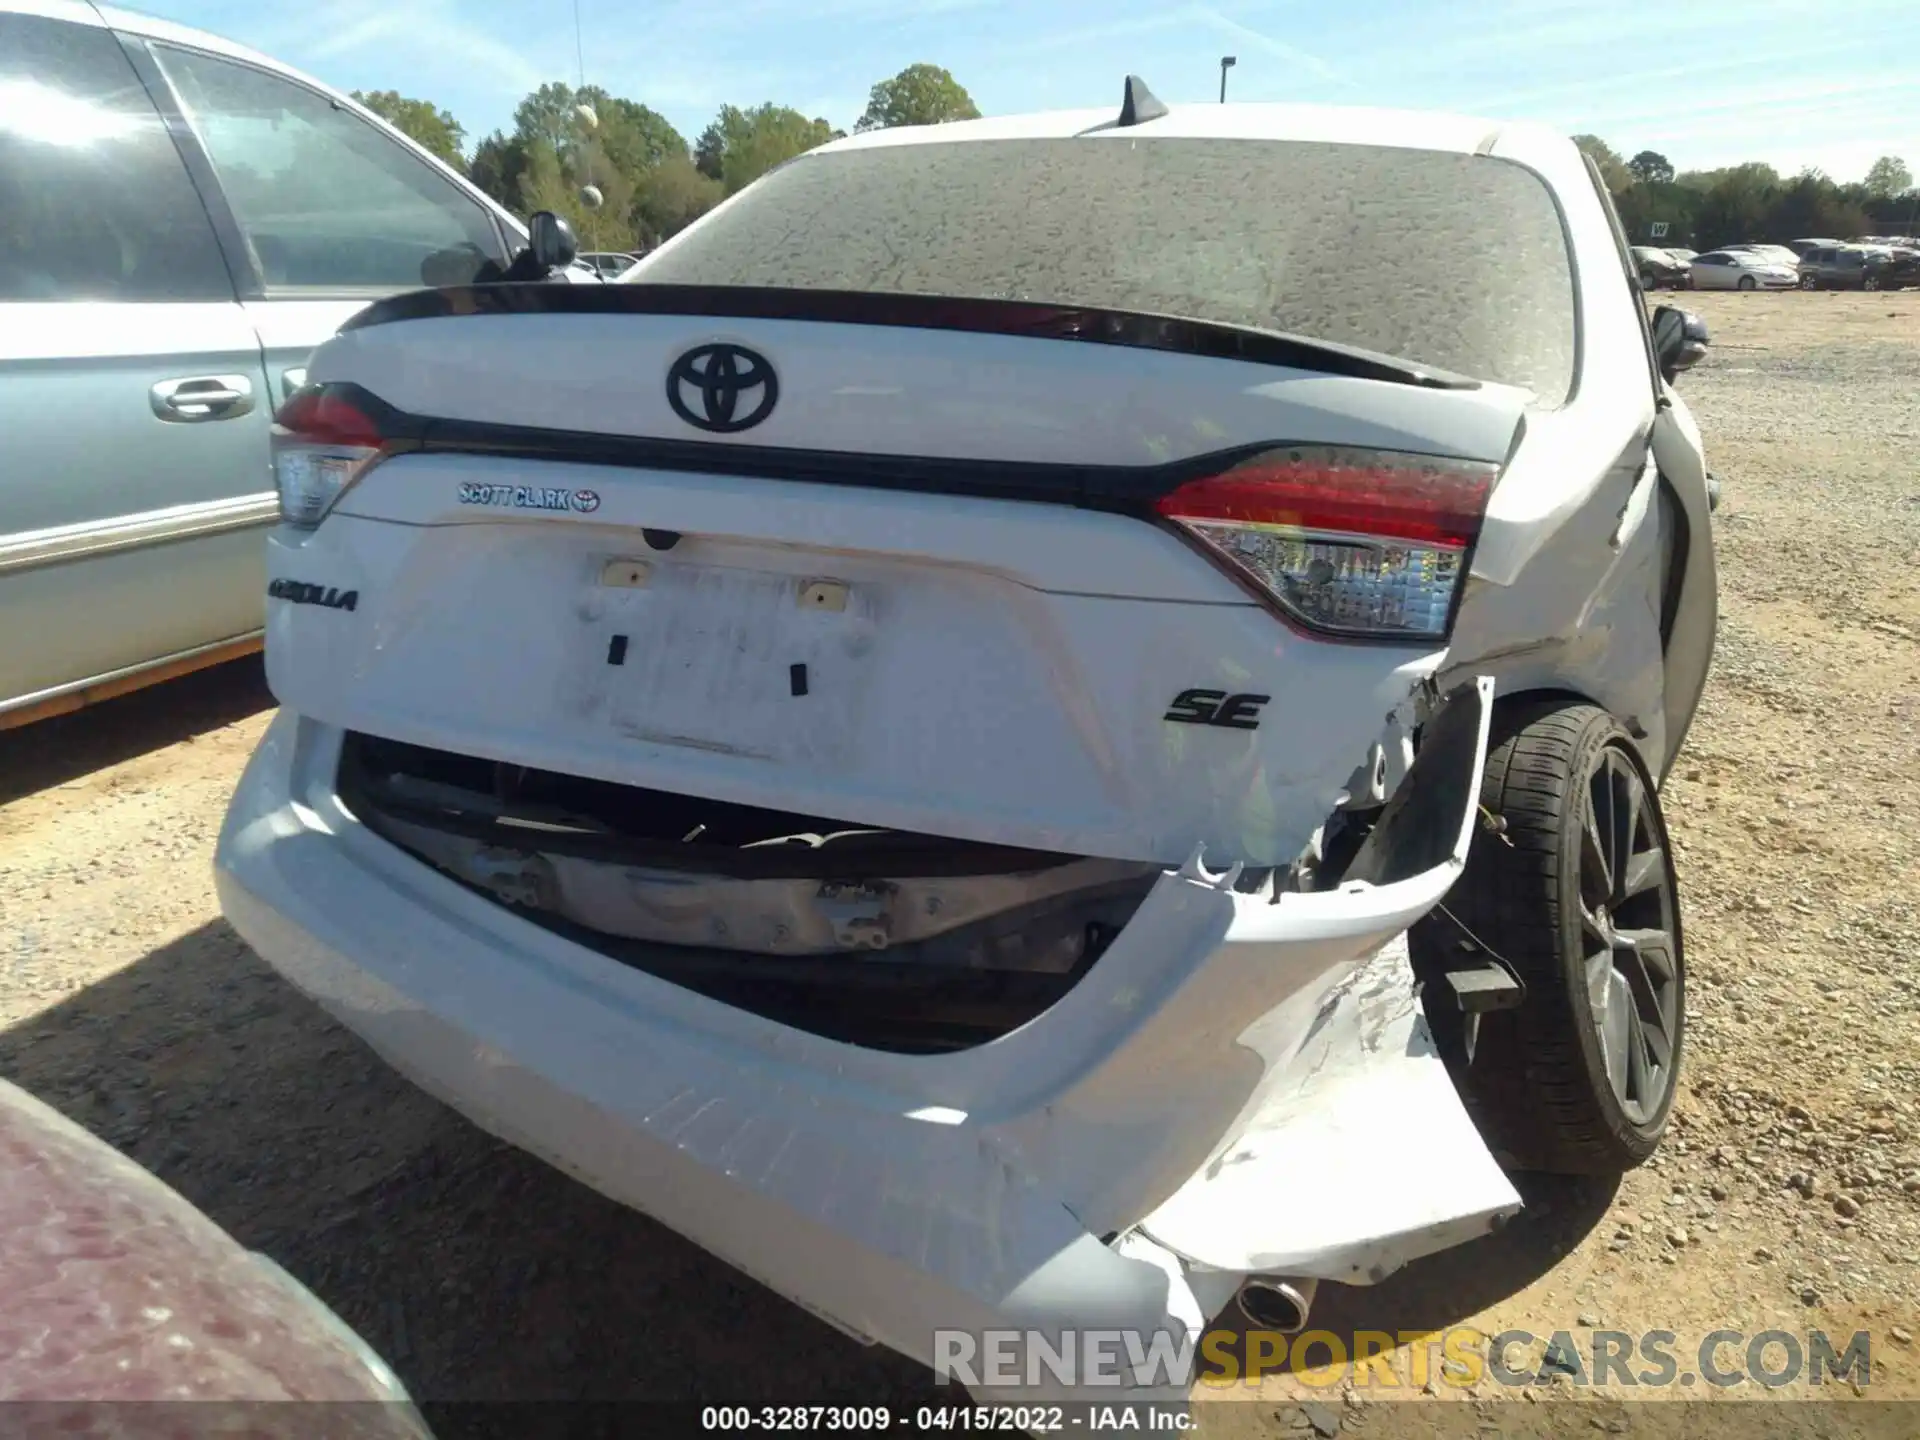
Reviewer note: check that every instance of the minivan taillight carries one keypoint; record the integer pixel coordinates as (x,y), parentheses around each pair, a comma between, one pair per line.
(1369,544)
(324,439)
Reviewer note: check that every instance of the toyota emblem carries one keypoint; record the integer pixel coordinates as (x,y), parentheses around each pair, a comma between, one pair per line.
(722,388)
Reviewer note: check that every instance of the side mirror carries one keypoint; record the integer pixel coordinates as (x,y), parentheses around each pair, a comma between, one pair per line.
(1679,340)
(550,240)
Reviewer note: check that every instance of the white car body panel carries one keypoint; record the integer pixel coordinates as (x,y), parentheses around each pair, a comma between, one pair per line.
(893,1194)
(1012,639)
(1243,1082)
(1044,704)
(947,396)
(1362,1104)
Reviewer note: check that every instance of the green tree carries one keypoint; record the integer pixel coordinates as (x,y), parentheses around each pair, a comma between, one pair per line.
(609,226)
(919,95)
(1613,169)
(542,183)
(1753,172)
(553,180)
(496,167)
(1650,167)
(709,150)
(419,121)
(742,145)
(1811,206)
(671,196)
(1738,205)
(1650,203)
(637,137)
(556,152)
(1888,177)
(547,114)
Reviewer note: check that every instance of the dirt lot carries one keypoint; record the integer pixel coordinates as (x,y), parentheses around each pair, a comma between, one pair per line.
(1788,1195)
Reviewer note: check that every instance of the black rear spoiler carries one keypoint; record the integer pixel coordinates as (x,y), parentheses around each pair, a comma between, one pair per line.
(1132,329)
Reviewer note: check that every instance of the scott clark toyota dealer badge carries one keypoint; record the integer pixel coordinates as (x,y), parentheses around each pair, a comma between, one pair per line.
(530,497)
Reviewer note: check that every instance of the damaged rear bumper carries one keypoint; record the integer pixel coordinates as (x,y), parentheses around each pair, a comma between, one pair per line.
(1242,1084)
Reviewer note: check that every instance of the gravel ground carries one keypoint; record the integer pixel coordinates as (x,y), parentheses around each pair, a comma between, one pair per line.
(1787,1196)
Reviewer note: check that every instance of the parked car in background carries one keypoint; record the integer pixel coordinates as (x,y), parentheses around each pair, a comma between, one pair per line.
(1740,270)
(114,1289)
(1894,268)
(607,264)
(1773,254)
(1859,267)
(1682,254)
(1801,247)
(948,851)
(181,222)
(1835,267)
(1658,268)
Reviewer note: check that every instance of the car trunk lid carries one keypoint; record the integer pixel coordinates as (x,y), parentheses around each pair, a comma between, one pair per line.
(921,594)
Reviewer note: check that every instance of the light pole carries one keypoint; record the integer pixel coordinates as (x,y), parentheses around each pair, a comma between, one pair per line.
(1226,64)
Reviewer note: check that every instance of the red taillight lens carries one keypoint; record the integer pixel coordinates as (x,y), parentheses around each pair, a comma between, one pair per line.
(320,414)
(1352,542)
(322,443)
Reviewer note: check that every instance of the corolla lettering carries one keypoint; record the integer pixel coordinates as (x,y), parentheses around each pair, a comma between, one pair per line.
(301,592)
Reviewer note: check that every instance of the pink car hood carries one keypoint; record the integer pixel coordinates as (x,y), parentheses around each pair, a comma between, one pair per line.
(114,1288)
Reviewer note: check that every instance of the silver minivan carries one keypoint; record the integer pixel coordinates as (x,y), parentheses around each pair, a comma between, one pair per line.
(181,222)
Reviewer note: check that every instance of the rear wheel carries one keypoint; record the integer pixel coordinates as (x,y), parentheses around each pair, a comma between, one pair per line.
(1583,903)
(1809,282)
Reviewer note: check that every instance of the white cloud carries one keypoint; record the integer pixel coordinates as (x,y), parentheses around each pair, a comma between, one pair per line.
(1292,54)
(418,38)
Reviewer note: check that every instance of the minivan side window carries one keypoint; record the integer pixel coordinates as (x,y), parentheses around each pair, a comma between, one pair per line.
(326,201)
(95,203)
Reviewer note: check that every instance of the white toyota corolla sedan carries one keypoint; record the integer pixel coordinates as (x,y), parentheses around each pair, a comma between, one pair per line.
(1742,270)
(1036,724)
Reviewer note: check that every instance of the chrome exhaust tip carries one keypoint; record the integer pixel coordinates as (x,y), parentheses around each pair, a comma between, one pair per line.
(1281,1305)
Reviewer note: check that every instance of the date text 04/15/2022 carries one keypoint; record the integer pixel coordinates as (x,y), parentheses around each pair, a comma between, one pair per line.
(935,1419)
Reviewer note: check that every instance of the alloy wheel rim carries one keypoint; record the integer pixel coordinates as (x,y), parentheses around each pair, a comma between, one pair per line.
(1629,931)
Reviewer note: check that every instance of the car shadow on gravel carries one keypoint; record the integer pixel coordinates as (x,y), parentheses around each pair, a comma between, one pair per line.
(478,1272)
(66,747)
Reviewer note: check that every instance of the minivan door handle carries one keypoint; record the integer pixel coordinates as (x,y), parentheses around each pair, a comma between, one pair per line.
(202,397)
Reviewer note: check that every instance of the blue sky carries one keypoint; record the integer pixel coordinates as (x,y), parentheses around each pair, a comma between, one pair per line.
(1706,82)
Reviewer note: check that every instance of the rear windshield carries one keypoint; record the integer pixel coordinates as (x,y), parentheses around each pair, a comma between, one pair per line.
(1456,261)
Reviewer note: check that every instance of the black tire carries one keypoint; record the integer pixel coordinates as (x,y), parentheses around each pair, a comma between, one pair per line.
(1539,1085)
(1747,282)
(1649,280)
(1809,282)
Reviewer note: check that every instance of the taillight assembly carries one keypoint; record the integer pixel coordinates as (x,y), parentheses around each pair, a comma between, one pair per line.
(1360,543)
(325,437)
